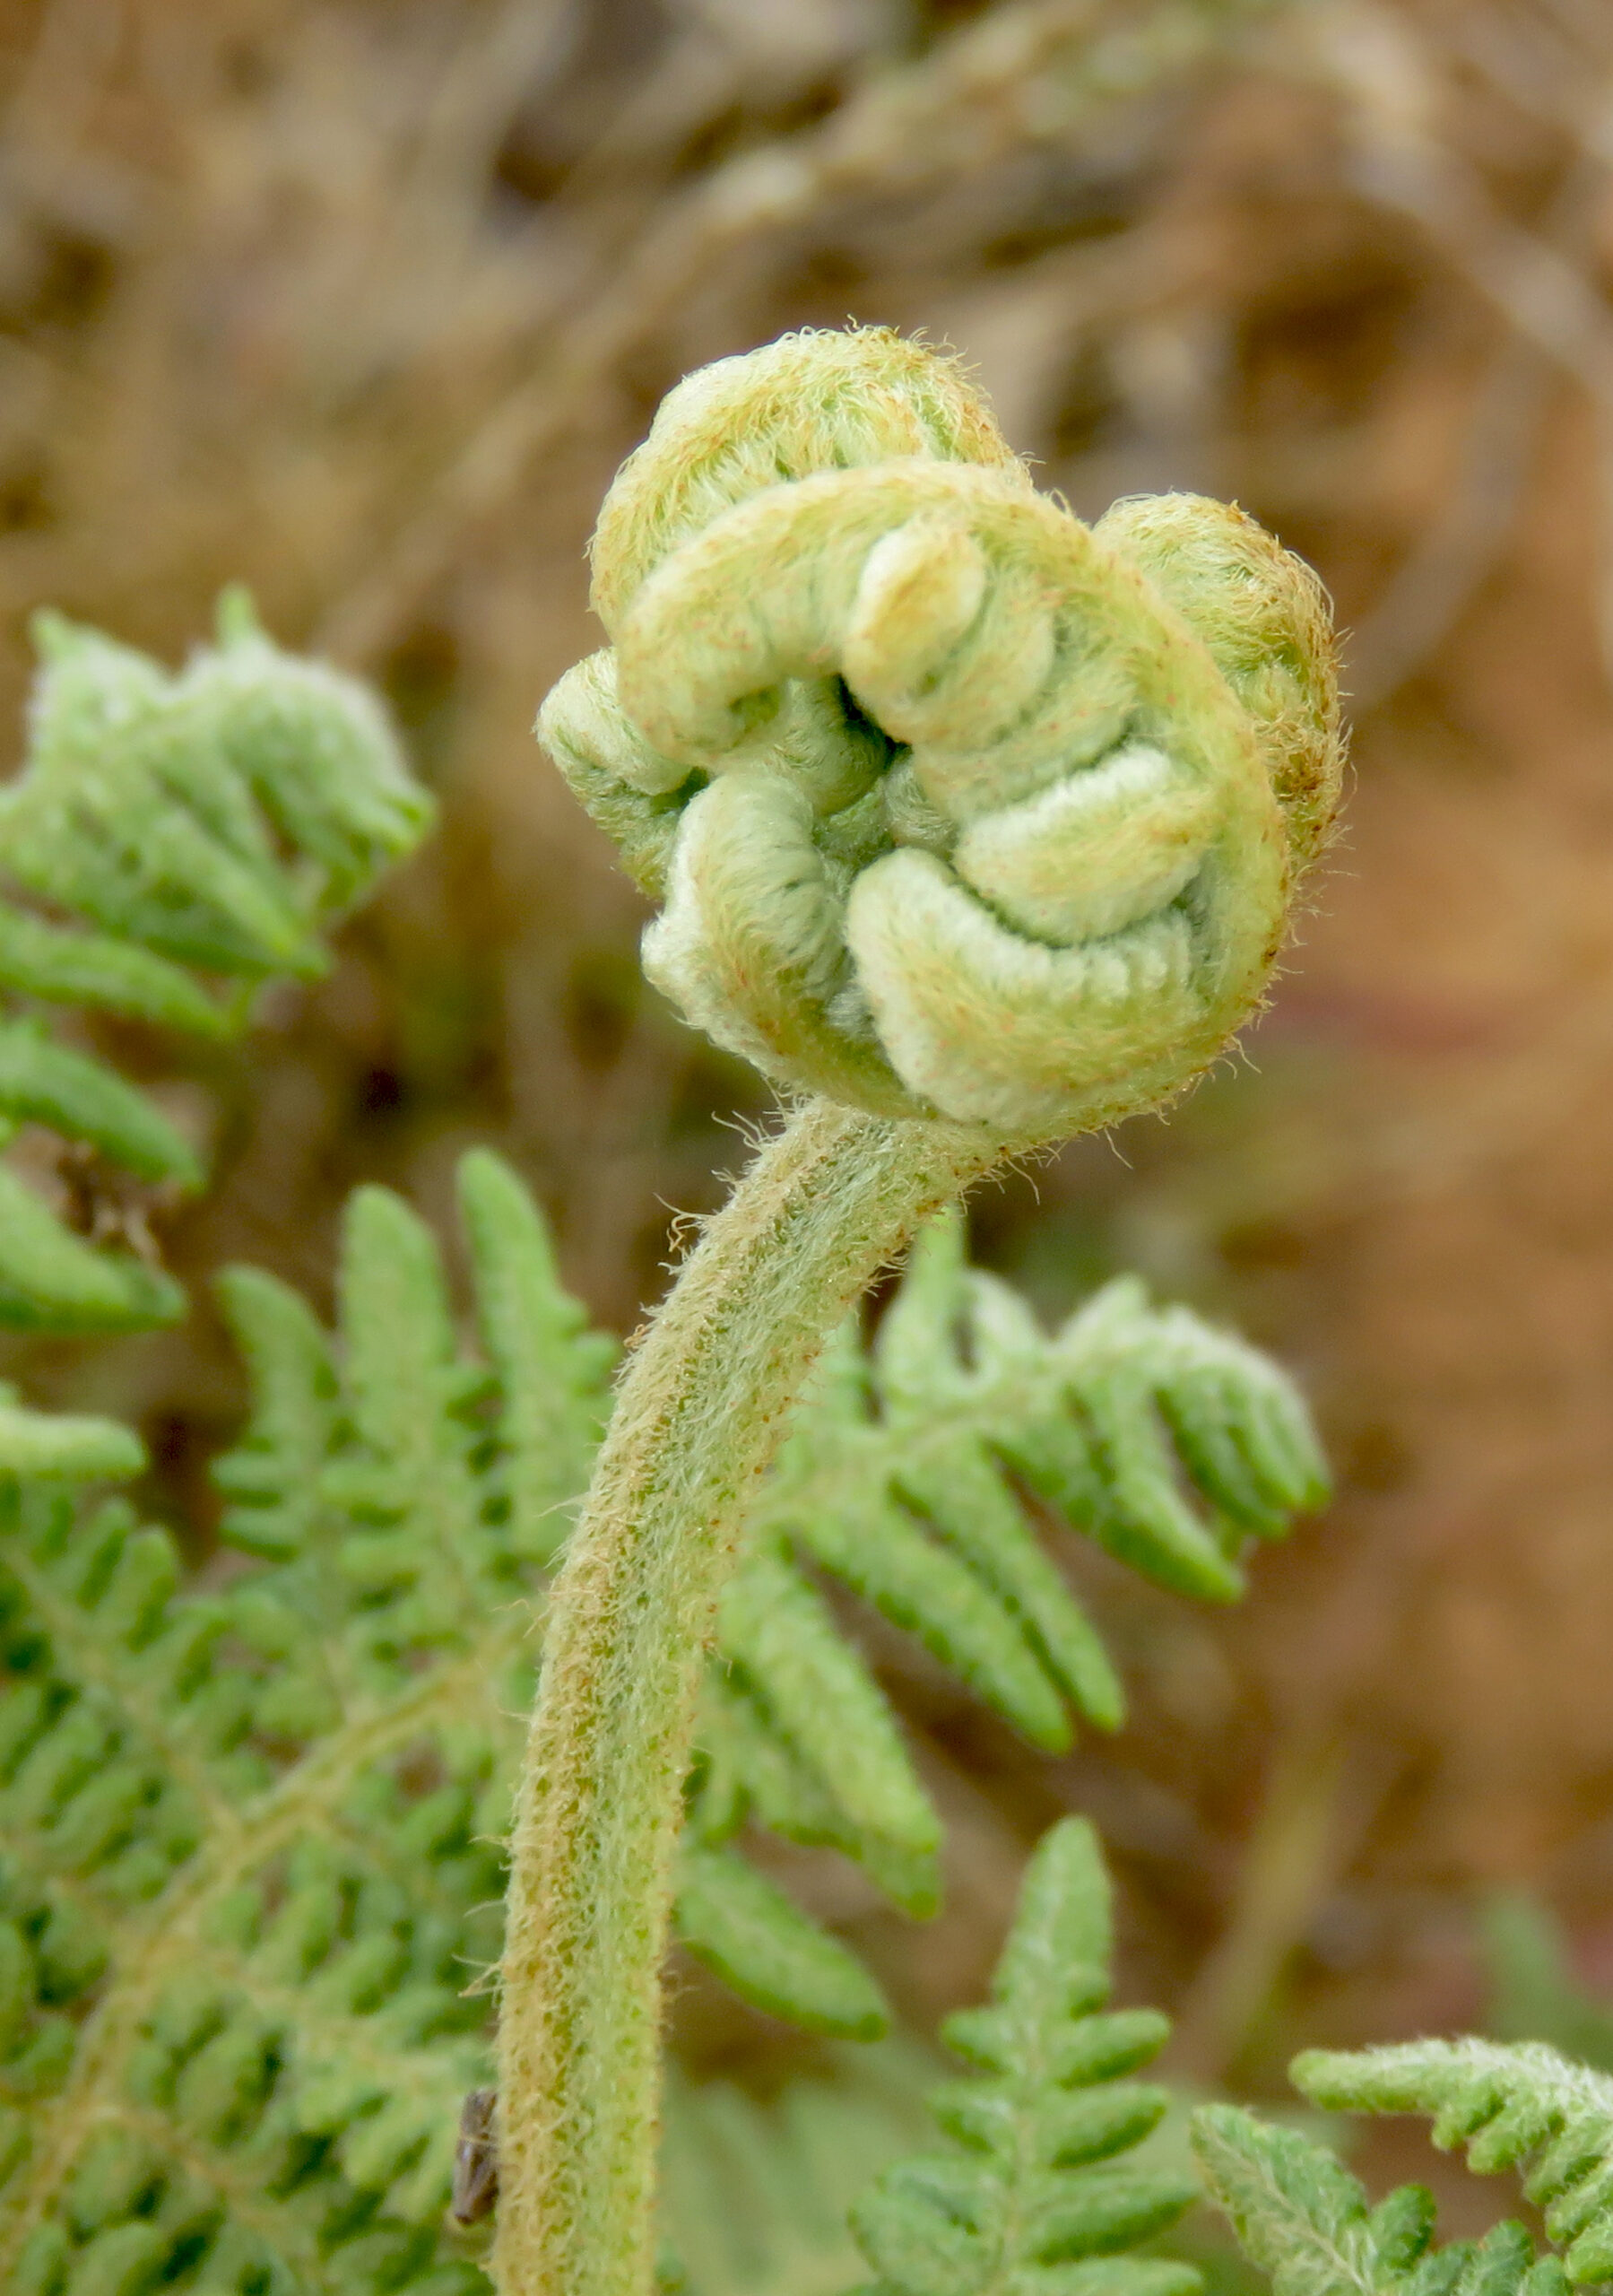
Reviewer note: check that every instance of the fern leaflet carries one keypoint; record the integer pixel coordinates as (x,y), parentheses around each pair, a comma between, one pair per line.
(64,1446)
(1037,2202)
(903,1479)
(1302,2217)
(1518,2105)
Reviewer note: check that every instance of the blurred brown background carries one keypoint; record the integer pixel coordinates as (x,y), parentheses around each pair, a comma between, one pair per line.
(363,302)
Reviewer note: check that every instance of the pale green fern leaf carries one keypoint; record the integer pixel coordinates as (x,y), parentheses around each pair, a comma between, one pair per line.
(371,1463)
(53,1280)
(252,1857)
(549,1367)
(205,824)
(745,1767)
(1166,1441)
(752,1933)
(389,1438)
(1518,2105)
(1038,2200)
(65,1446)
(1301,2218)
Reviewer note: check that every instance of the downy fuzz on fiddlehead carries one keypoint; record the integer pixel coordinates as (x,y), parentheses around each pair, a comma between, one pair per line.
(956,806)
(172,841)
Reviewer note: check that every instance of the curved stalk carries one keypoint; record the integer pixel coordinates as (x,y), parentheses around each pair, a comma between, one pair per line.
(701,1410)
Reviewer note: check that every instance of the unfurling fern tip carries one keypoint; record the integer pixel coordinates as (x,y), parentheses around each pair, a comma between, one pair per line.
(956,806)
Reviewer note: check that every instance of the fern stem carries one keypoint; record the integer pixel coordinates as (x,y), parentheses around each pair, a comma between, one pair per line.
(703,1404)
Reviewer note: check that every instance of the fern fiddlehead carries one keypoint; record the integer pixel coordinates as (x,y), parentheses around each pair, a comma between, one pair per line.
(978,823)
(956,804)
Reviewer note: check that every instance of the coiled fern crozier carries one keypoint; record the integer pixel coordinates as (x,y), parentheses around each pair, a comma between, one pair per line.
(971,823)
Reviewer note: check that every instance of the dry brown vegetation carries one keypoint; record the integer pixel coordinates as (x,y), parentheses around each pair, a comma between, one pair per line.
(361,301)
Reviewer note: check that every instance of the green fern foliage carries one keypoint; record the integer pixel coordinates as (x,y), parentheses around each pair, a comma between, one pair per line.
(251,1828)
(171,841)
(1518,2106)
(1304,2218)
(913,1476)
(65,1446)
(375,1458)
(250,1834)
(796,1736)
(1037,2200)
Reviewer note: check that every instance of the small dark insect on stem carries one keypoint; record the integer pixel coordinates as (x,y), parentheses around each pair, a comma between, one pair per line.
(476,2161)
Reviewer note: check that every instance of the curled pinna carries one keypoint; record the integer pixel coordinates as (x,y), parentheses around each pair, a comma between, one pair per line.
(955,805)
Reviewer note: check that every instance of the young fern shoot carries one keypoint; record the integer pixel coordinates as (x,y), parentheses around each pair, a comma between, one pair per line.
(976,825)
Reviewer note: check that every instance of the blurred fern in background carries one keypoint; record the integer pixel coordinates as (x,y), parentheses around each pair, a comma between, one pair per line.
(171,842)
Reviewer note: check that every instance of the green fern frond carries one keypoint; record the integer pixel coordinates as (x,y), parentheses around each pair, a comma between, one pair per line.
(209,821)
(252,1835)
(795,1733)
(1513,2106)
(1301,2218)
(252,1830)
(1168,1442)
(1038,2202)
